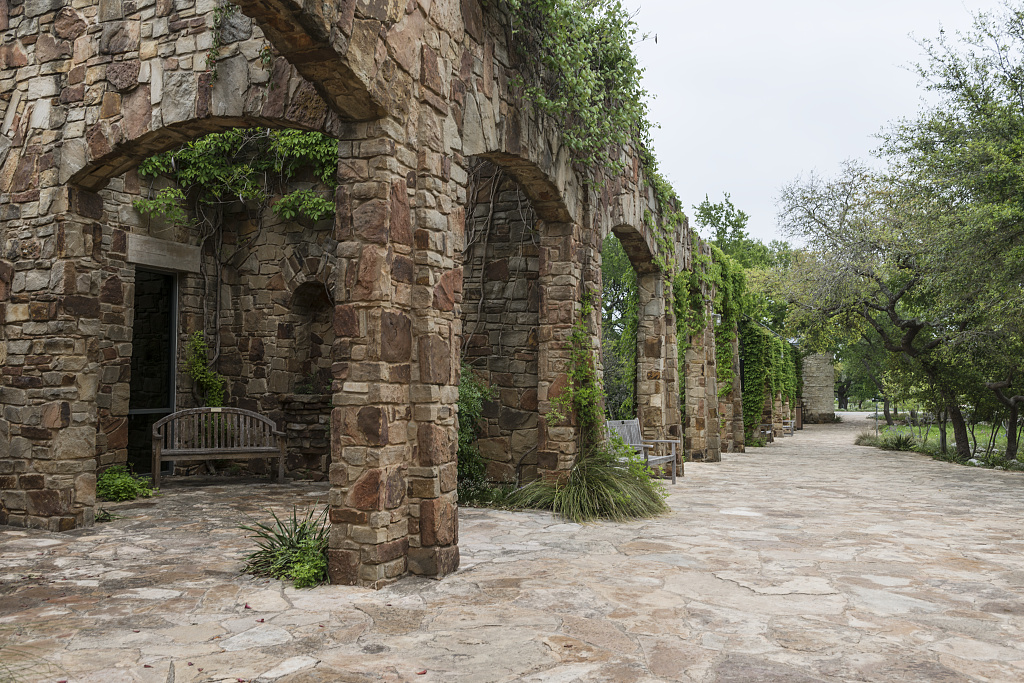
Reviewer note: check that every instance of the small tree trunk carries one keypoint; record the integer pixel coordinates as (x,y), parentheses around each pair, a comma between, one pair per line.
(943,444)
(1011,431)
(888,415)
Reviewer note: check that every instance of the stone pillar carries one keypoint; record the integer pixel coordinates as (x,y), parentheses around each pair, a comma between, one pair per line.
(437,323)
(371,425)
(50,303)
(777,414)
(819,389)
(560,275)
(650,356)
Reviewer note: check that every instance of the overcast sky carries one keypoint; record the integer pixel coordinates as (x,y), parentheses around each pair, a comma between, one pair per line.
(750,94)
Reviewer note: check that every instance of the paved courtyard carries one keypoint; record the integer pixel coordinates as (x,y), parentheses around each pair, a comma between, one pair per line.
(809,560)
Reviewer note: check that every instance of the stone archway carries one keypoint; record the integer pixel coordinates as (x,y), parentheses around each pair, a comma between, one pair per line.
(412,90)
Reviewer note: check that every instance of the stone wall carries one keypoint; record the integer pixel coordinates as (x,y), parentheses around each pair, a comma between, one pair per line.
(819,390)
(501,319)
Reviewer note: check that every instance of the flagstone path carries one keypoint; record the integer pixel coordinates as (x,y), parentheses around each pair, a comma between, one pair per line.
(809,560)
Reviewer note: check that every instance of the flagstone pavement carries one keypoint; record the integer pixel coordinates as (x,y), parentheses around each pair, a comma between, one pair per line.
(809,560)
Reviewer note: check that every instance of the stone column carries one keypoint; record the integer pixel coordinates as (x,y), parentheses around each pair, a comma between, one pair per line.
(50,302)
(560,275)
(371,422)
(650,355)
(777,414)
(437,301)
(819,389)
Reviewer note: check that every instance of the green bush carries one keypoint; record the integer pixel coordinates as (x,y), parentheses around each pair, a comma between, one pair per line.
(610,481)
(897,441)
(117,484)
(473,486)
(291,550)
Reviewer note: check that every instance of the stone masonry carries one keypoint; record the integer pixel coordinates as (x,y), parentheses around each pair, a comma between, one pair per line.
(415,92)
(819,390)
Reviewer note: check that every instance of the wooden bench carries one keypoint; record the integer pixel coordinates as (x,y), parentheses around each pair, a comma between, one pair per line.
(767,432)
(218,433)
(788,427)
(630,432)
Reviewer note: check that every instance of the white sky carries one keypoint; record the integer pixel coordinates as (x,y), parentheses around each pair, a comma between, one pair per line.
(750,94)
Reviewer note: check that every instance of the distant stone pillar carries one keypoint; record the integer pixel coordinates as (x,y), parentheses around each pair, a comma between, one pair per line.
(703,441)
(819,389)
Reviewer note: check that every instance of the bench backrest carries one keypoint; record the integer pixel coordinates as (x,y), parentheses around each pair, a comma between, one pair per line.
(629,430)
(210,430)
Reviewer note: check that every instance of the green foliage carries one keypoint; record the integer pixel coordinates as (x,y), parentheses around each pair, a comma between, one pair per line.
(768,363)
(583,396)
(210,383)
(620,322)
(897,441)
(220,13)
(730,290)
(292,549)
(117,483)
(473,393)
(609,481)
(251,165)
(580,69)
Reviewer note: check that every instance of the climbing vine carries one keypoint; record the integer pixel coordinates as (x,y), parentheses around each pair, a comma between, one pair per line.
(209,383)
(579,67)
(730,288)
(768,362)
(583,396)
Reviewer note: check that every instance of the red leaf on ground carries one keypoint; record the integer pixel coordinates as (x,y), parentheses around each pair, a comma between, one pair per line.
(420,673)
(260,621)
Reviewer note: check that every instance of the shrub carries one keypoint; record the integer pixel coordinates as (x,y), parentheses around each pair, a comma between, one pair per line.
(473,393)
(117,484)
(293,549)
(898,441)
(867,439)
(610,481)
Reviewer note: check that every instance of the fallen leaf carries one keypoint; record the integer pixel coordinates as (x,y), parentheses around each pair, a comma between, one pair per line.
(247,607)
(147,666)
(260,621)
(420,673)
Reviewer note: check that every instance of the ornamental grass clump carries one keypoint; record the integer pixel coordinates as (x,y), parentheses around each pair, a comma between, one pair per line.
(292,549)
(610,481)
(117,484)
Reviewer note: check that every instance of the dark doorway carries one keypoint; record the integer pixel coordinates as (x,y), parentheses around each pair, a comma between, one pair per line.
(152,383)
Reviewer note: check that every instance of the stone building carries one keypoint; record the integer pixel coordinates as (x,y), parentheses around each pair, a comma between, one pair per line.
(418,95)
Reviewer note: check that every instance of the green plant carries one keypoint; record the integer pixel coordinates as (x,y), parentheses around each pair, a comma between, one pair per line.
(117,483)
(867,439)
(583,397)
(293,549)
(103,516)
(897,441)
(473,393)
(209,382)
(609,481)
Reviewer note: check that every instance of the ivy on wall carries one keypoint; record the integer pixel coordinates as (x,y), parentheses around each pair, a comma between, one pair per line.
(768,363)
(731,286)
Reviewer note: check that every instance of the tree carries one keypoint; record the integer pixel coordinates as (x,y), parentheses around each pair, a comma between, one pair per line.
(620,321)
(725,226)
(867,259)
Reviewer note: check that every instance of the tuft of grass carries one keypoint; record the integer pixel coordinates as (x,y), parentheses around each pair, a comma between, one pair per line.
(117,484)
(20,662)
(867,439)
(292,549)
(610,481)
